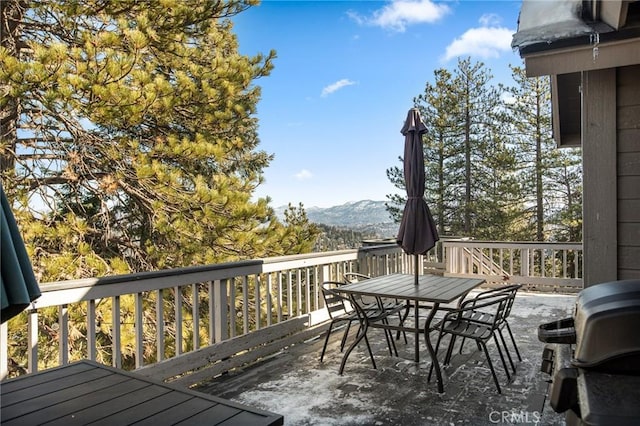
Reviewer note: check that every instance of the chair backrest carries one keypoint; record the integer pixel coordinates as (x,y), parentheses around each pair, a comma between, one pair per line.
(494,303)
(352,277)
(511,290)
(336,303)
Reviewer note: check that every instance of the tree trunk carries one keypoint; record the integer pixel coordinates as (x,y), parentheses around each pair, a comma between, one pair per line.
(11,12)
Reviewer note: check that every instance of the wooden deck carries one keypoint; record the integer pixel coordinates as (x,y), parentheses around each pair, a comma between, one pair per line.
(307,392)
(86,392)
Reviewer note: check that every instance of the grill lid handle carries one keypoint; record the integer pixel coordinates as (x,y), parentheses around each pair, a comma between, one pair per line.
(561,331)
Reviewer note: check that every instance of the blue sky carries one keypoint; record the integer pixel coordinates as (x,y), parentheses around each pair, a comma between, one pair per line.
(345,76)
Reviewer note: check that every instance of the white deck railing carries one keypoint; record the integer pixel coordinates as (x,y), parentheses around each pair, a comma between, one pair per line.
(547,266)
(149,317)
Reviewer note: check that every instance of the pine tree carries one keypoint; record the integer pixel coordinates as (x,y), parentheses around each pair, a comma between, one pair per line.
(550,177)
(493,170)
(565,195)
(470,183)
(481,160)
(130,143)
(134,138)
(438,109)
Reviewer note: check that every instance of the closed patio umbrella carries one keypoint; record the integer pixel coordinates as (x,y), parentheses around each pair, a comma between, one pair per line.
(418,233)
(18,285)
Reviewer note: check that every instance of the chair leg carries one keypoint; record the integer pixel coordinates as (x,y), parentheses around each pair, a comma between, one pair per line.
(373,361)
(449,353)
(326,340)
(344,336)
(388,335)
(362,334)
(404,333)
(506,349)
(426,336)
(513,340)
(493,371)
(403,318)
(504,363)
(461,345)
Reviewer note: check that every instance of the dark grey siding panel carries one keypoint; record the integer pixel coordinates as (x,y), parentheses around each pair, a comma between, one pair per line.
(628,257)
(628,187)
(629,234)
(628,171)
(628,274)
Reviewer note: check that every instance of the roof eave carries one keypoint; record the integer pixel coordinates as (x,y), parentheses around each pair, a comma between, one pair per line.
(606,50)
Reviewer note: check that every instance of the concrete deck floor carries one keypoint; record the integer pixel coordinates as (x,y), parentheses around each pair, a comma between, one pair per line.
(306,392)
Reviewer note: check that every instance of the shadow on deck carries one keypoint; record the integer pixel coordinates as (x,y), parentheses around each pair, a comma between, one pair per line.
(295,384)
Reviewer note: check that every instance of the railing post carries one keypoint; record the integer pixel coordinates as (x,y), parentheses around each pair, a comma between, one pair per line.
(325,273)
(298,292)
(363,266)
(116,354)
(220,310)
(524,262)
(279,286)
(32,341)
(63,334)
(257,299)
(447,257)
(178,315)
(195,315)
(91,330)
(452,255)
(159,326)
(307,290)
(269,299)
(290,295)
(245,305)
(138,328)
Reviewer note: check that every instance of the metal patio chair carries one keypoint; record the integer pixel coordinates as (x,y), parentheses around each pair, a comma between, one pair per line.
(365,315)
(487,317)
(460,323)
(352,277)
(340,311)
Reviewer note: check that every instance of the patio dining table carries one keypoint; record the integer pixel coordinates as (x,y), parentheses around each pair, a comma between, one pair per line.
(86,392)
(431,289)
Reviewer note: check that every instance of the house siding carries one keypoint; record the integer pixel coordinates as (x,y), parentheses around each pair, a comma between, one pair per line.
(628,171)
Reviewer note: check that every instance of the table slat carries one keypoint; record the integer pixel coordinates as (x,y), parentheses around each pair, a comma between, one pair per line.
(176,413)
(114,404)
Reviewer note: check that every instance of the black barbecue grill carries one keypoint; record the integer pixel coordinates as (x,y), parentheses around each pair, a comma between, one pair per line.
(593,357)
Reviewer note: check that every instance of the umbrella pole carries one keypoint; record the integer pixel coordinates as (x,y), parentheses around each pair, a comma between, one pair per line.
(415,268)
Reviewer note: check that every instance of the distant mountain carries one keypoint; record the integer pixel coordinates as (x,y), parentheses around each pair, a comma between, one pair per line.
(366,216)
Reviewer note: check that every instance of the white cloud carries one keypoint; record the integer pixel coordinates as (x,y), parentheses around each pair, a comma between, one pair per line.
(303,174)
(487,41)
(336,86)
(490,20)
(399,14)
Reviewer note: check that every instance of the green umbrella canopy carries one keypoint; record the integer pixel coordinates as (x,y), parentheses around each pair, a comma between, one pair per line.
(18,285)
